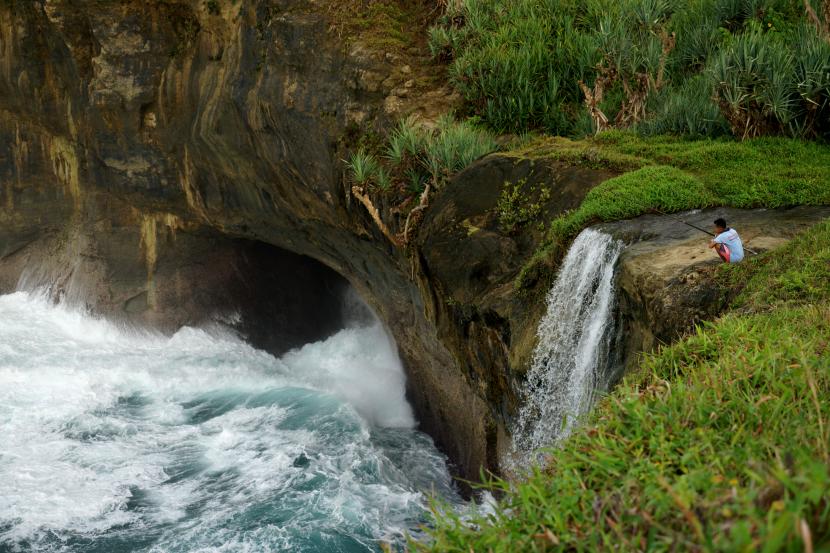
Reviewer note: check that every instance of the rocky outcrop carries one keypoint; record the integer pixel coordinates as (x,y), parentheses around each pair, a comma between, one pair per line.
(666,283)
(468,265)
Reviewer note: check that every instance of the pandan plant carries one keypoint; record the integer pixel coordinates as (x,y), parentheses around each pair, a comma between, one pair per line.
(755,86)
(363,166)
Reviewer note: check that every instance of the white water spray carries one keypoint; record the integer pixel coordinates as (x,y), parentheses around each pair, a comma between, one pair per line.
(123,442)
(574,342)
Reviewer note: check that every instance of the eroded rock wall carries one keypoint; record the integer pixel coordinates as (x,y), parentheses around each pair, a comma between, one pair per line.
(138,140)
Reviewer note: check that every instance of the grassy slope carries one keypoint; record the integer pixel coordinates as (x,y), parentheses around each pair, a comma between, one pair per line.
(719,442)
(672,174)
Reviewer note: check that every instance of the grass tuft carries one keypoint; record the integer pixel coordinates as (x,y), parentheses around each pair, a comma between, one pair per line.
(364,167)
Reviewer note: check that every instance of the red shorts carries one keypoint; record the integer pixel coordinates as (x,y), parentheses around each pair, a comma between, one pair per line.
(723,252)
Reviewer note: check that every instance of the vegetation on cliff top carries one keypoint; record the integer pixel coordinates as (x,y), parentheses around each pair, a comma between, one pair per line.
(719,442)
(415,155)
(701,67)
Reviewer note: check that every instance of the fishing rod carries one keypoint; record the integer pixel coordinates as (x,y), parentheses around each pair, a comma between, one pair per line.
(679,220)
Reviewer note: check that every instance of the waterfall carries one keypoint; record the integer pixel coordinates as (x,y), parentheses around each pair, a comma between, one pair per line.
(574,342)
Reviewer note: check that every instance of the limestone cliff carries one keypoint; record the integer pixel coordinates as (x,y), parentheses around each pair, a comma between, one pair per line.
(153,154)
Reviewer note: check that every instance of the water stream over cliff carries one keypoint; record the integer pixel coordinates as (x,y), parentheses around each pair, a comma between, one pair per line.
(574,343)
(119,441)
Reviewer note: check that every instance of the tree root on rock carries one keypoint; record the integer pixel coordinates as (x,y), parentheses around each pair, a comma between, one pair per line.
(413,218)
(370,207)
(418,214)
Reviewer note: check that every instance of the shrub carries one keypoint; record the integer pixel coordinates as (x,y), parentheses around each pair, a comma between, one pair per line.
(765,85)
(441,42)
(755,86)
(382,179)
(405,141)
(518,63)
(455,145)
(686,110)
(812,77)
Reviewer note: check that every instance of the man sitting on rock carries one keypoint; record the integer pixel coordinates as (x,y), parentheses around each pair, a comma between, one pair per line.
(727,242)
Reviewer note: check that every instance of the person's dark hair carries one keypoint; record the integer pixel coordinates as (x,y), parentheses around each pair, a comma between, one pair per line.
(720,222)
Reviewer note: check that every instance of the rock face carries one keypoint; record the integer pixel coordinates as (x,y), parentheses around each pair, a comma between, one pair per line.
(158,158)
(468,264)
(172,162)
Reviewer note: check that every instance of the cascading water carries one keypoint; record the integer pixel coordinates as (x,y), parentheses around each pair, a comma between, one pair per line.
(574,340)
(115,441)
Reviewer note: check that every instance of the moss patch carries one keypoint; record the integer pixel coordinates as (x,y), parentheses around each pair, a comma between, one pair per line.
(382,25)
(385,26)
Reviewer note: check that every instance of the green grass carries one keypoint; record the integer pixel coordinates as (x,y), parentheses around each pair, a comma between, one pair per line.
(797,273)
(717,443)
(671,174)
(654,187)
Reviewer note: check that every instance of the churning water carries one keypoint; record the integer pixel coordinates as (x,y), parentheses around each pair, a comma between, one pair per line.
(573,346)
(112,441)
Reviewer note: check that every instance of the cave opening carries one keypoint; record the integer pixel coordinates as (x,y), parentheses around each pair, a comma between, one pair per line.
(278,300)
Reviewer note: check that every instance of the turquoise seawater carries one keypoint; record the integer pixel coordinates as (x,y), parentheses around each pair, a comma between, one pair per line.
(118,441)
